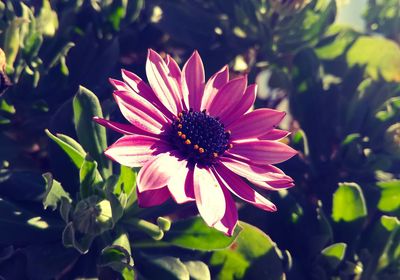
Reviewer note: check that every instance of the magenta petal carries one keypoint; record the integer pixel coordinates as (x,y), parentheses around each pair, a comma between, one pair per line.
(274,134)
(153,197)
(255,123)
(244,105)
(262,151)
(163,84)
(139,112)
(119,85)
(227,98)
(209,196)
(181,184)
(273,185)
(136,150)
(229,221)
(239,188)
(213,85)
(119,127)
(193,80)
(254,172)
(156,173)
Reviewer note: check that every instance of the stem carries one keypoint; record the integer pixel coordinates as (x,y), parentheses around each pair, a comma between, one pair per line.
(149,228)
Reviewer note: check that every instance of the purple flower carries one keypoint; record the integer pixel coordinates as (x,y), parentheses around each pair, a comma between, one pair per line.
(198,141)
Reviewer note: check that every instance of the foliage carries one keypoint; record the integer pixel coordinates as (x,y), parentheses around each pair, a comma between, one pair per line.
(80,219)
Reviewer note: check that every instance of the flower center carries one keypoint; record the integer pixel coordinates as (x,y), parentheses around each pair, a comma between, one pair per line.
(200,137)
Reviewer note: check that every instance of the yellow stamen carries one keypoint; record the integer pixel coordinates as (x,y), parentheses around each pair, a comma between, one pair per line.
(179,126)
(201,150)
(230,146)
(196,147)
(215,155)
(187,142)
(183,136)
(180,115)
(179,133)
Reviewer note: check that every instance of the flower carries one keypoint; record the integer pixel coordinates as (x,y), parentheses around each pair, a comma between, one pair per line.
(197,140)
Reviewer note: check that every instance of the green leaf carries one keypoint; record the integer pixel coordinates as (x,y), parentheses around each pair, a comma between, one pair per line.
(166,268)
(198,270)
(380,56)
(47,20)
(389,200)
(87,177)
(195,234)
(333,255)
(125,187)
(70,147)
(70,239)
(54,192)
(348,203)
(377,243)
(349,210)
(91,136)
(118,256)
(252,256)
(48,261)
(22,226)
(341,38)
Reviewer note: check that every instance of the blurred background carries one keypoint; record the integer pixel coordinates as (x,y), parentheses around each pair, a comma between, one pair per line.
(334,66)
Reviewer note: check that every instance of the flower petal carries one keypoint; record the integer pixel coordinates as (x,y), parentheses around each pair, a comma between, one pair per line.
(153,197)
(273,185)
(156,173)
(193,80)
(274,134)
(119,127)
(227,98)
(139,86)
(136,150)
(213,85)
(163,84)
(254,172)
(181,184)
(209,196)
(244,105)
(255,123)
(238,187)
(119,85)
(229,221)
(140,112)
(262,151)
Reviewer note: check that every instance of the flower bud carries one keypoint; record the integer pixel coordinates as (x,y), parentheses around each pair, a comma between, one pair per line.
(93,215)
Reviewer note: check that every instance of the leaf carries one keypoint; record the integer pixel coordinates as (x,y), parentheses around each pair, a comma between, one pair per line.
(54,192)
(333,255)
(377,243)
(252,256)
(70,147)
(91,136)
(349,210)
(48,261)
(195,234)
(198,270)
(87,177)
(118,256)
(22,185)
(380,56)
(81,243)
(348,203)
(166,268)
(23,227)
(47,20)
(125,187)
(389,200)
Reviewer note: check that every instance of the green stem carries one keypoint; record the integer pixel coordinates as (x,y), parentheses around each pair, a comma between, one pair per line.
(149,228)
